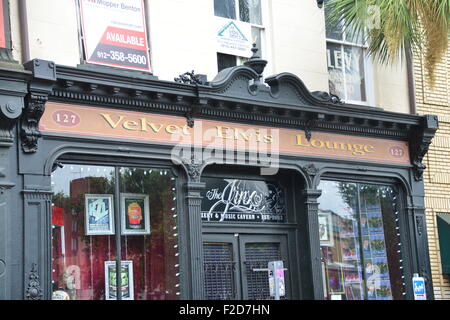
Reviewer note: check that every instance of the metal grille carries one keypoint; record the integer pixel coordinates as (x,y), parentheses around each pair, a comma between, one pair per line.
(257,256)
(219,271)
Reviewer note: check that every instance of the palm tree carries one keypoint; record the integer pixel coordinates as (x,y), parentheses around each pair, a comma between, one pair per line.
(393,28)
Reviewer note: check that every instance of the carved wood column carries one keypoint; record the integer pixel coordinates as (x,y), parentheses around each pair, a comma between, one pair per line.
(312,225)
(194,229)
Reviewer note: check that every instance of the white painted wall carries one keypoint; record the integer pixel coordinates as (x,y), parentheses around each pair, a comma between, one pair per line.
(182,38)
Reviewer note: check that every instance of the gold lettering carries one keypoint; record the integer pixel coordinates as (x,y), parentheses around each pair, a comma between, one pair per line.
(358,149)
(268,138)
(154,128)
(243,134)
(172,128)
(130,125)
(110,121)
(220,132)
(143,124)
(315,145)
(299,141)
(366,148)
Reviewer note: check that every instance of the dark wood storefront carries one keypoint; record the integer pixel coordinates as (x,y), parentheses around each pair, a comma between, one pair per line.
(32,150)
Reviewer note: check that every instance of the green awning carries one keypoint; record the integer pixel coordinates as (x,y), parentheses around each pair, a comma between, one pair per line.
(443,224)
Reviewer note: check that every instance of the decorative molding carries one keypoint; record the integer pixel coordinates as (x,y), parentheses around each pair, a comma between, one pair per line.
(40,87)
(193,167)
(420,141)
(310,169)
(419,225)
(9,113)
(33,291)
(35,106)
(327,97)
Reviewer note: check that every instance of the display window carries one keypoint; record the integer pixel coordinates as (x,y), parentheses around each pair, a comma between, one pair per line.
(98,210)
(359,240)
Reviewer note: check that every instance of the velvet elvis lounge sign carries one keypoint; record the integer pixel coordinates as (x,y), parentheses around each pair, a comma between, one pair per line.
(106,124)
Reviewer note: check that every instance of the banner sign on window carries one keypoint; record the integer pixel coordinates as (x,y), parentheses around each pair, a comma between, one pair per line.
(233,37)
(242,200)
(115,33)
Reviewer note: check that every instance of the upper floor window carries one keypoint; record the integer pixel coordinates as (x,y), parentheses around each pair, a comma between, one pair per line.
(247,11)
(348,66)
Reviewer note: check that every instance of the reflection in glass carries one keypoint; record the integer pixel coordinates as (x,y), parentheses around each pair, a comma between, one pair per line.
(154,255)
(78,258)
(250,11)
(354,73)
(85,199)
(335,69)
(359,241)
(225,9)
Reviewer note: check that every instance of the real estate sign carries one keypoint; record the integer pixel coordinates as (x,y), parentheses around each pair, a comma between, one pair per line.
(233,37)
(114,33)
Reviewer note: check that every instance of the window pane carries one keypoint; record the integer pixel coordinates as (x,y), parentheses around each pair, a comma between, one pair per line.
(359,241)
(335,70)
(225,61)
(250,11)
(332,31)
(340,240)
(83,202)
(380,242)
(148,232)
(225,8)
(354,73)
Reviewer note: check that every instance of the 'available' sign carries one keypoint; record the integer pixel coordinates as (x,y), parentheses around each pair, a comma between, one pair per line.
(114,33)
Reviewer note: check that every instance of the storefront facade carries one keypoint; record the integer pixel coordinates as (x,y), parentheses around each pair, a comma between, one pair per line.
(191,187)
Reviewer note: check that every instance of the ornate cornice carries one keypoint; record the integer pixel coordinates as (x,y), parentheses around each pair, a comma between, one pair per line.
(234,95)
(420,141)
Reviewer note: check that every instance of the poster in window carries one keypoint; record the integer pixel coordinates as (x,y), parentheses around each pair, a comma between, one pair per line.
(325,229)
(126,280)
(114,33)
(135,214)
(335,280)
(99,214)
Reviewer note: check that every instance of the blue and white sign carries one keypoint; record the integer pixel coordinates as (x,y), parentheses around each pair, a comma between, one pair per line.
(419,287)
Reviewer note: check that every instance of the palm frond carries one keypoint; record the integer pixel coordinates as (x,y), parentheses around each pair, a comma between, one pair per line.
(403,25)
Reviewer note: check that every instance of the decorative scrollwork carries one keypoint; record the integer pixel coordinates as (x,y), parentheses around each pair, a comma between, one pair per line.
(419,225)
(311,169)
(190,78)
(194,167)
(33,291)
(327,97)
(30,122)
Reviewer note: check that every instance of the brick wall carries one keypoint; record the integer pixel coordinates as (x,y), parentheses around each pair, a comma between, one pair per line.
(437,175)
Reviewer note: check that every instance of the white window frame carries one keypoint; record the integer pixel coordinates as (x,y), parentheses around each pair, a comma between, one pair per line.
(368,70)
(264,51)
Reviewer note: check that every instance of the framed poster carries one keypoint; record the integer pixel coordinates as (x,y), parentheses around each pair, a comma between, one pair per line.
(135,215)
(326,229)
(99,214)
(126,280)
(114,33)
(335,280)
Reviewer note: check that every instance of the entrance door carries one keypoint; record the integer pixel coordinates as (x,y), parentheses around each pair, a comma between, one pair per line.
(233,265)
